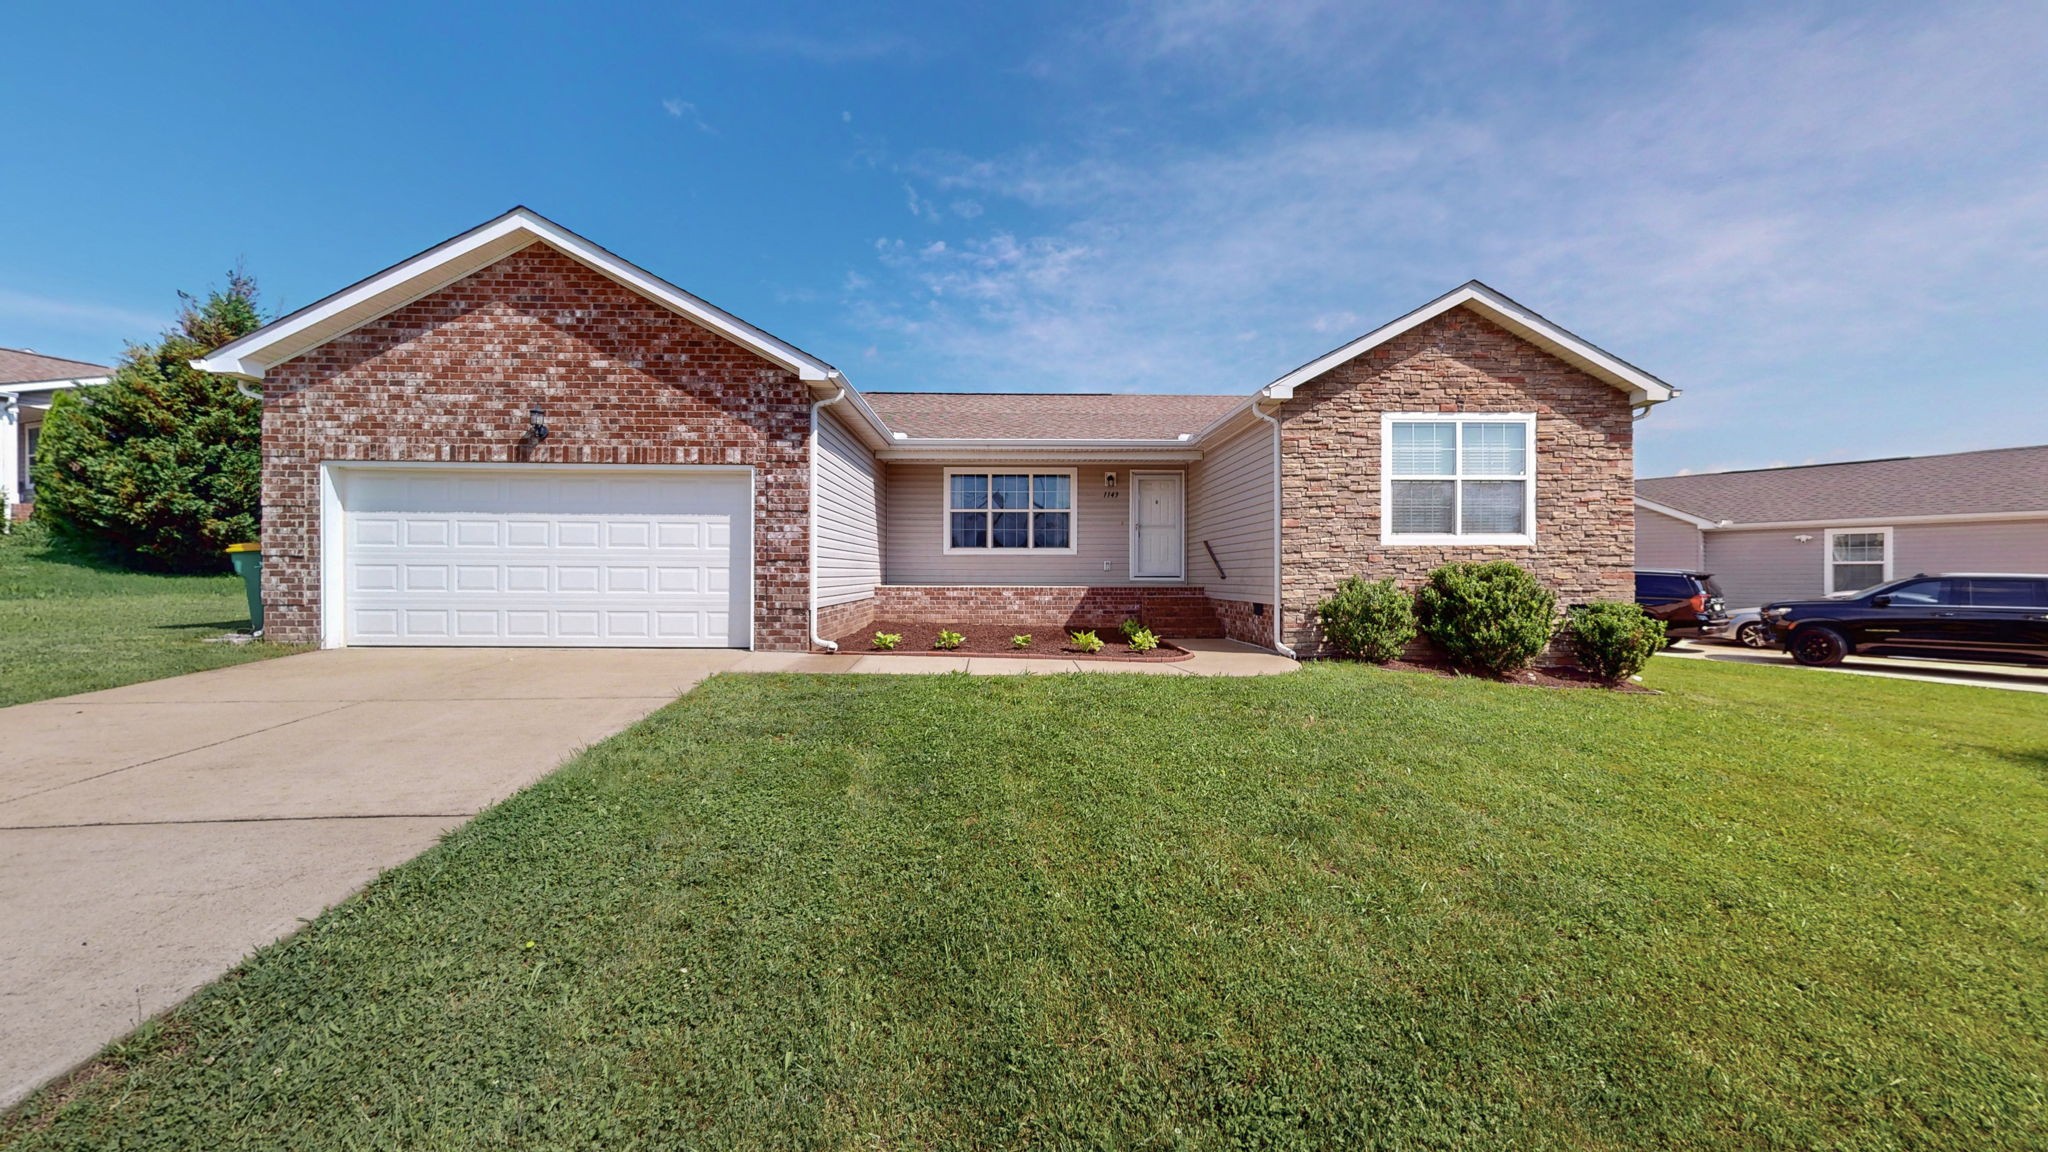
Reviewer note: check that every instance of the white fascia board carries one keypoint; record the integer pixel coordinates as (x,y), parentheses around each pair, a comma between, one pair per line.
(1884,521)
(870,427)
(1086,451)
(449,261)
(1642,388)
(1667,510)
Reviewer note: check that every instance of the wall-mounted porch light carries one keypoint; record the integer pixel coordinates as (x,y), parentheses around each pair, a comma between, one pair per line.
(1109,479)
(540,428)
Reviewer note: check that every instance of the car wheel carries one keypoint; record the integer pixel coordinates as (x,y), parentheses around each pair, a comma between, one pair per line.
(1753,635)
(1819,647)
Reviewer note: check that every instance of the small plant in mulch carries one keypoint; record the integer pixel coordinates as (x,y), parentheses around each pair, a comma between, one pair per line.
(887,640)
(948,640)
(1131,627)
(1142,640)
(1087,642)
(1021,641)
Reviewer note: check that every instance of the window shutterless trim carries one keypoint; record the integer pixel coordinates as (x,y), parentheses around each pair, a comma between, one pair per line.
(1458,479)
(1827,555)
(1072,511)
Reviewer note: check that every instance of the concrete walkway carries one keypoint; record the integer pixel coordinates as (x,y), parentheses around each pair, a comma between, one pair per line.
(154,835)
(2009,677)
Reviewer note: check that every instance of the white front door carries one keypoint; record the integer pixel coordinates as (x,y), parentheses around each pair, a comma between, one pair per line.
(1158,542)
(539,556)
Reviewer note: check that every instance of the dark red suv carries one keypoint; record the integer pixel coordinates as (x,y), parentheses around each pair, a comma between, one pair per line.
(1687,602)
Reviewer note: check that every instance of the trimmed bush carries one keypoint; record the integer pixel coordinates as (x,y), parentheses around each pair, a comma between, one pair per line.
(1613,640)
(1372,620)
(1493,617)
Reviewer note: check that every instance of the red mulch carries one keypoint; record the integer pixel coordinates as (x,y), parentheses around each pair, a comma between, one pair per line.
(1048,642)
(1559,677)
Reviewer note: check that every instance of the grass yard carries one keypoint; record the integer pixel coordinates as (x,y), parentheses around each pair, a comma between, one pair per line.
(1348,908)
(70,623)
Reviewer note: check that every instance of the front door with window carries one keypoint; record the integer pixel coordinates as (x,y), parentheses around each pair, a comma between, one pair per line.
(1158,543)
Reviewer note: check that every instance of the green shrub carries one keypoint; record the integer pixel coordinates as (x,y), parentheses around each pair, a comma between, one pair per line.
(1021,640)
(1613,640)
(160,466)
(1370,620)
(1493,617)
(888,640)
(1130,627)
(1086,641)
(948,640)
(1143,640)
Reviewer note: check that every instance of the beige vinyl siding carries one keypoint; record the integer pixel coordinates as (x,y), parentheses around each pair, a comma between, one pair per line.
(914,531)
(850,502)
(1666,541)
(1756,566)
(1230,505)
(1985,546)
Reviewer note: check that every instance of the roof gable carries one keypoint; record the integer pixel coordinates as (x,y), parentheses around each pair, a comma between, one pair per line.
(1642,388)
(453,259)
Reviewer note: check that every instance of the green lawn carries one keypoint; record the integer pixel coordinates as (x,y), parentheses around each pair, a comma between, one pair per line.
(69,623)
(1349,908)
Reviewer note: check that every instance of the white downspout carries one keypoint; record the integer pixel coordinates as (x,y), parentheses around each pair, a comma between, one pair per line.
(1279,593)
(10,459)
(838,382)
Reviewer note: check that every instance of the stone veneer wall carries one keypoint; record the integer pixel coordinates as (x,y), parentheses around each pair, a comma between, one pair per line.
(1456,363)
(622,380)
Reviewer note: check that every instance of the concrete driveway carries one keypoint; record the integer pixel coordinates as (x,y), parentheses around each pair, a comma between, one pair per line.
(152,836)
(2009,677)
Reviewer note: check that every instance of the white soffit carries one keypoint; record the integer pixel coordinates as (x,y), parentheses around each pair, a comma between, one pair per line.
(451,260)
(1642,387)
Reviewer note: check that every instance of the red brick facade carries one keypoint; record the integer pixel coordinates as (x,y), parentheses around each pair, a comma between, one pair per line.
(846,619)
(1458,362)
(622,380)
(1173,612)
(1240,624)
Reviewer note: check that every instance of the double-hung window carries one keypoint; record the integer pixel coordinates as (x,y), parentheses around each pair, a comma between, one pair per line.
(1857,558)
(1457,479)
(1009,511)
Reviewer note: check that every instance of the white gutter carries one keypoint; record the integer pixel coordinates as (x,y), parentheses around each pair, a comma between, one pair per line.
(1279,641)
(838,382)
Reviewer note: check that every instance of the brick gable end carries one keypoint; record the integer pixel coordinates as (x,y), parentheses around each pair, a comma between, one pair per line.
(450,378)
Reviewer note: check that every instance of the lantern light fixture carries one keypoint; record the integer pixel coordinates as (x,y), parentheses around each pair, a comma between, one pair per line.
(540,428)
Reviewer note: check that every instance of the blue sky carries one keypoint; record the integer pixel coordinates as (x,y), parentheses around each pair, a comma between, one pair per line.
(1828,225)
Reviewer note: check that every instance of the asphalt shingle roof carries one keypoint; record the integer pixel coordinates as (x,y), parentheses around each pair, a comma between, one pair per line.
(1997,480)
(1047,415)
(19,366)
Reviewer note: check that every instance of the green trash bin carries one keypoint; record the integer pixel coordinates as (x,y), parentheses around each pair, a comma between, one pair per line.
(248,562)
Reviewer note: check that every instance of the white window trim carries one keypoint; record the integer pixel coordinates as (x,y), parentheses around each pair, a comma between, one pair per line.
(1439,539)
(1827,554)
(1131,563)
(1073,511)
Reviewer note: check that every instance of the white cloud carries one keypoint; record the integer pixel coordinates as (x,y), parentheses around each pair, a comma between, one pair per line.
(1739,210)
(680,109)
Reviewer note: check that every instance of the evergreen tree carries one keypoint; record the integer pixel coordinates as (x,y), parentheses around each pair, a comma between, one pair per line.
(160,467)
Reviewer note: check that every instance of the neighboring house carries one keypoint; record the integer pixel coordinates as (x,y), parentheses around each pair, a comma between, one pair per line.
(517,437)
(1800,533)
(27,382)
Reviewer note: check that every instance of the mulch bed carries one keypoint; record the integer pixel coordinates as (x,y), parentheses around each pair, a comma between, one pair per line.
(1564,676)
(1048,642)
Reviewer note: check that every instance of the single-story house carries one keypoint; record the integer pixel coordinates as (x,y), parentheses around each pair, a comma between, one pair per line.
(517,437)
(28,380)
(1800,533)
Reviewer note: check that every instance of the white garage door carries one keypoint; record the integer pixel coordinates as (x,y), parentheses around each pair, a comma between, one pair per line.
(545,557)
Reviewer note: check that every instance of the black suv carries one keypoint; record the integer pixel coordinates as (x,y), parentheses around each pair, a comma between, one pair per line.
(1687,602)
(1954,616)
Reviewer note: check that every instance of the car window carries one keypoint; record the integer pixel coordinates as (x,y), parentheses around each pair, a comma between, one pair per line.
(1924,592)
(1712,588)
(1663,586)
(2005,593)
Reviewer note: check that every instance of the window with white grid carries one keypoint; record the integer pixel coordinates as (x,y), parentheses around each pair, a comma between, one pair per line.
(1457,479)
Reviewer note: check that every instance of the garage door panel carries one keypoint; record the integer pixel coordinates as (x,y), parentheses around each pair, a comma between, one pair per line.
(501,558)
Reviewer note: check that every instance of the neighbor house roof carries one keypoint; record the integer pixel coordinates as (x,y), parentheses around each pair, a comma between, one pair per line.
(2000,480)
(1048,416)
(21,366)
